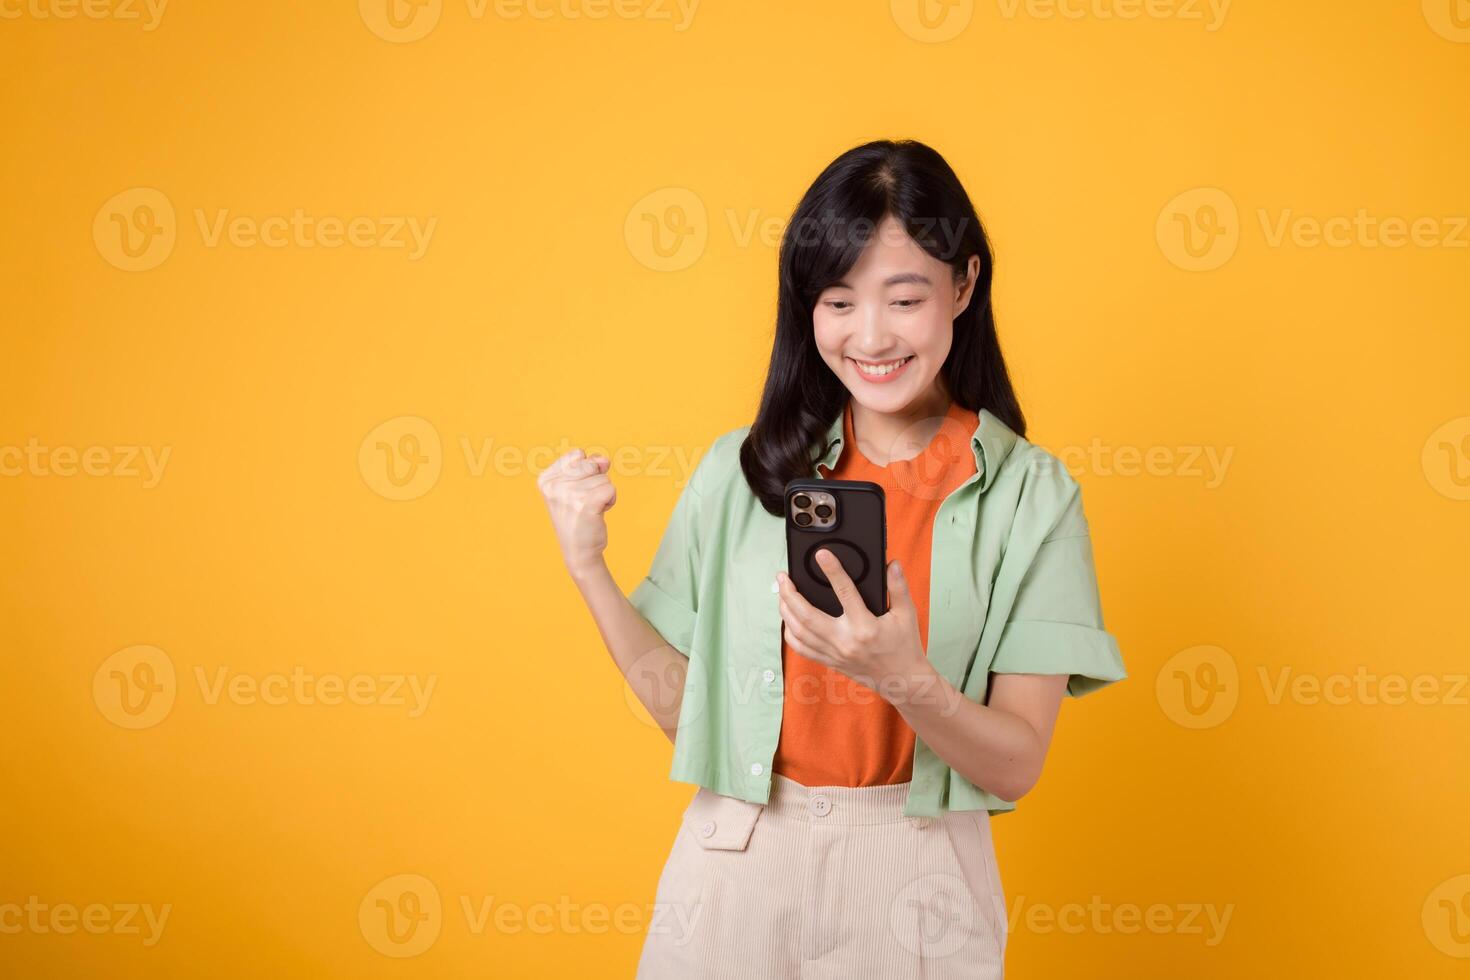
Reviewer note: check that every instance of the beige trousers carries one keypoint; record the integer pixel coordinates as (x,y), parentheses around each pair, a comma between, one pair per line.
(826,883)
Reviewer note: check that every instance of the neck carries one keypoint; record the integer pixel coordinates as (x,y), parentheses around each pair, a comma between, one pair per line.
(884,437)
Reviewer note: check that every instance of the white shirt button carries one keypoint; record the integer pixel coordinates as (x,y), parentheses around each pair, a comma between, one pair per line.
(707,829)
(820,805)
(920,822)
(756,768)
(768,676)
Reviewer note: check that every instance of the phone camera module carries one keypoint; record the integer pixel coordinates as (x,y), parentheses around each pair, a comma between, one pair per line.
(803,519)
(802,501)
(823,511)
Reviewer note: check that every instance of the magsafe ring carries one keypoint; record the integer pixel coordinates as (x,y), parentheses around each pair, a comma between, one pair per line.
(849,554)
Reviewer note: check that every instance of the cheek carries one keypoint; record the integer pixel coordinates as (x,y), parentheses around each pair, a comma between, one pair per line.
(932,335)
(829,336)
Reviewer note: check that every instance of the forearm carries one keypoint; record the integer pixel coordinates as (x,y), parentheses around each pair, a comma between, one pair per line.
(996,750)
(653,668)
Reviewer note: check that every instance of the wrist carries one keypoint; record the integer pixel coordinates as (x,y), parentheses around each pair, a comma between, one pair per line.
(914,685)
(587,570)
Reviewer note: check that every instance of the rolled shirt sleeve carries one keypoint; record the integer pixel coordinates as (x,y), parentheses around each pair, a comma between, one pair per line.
(668,596)
(1056,623)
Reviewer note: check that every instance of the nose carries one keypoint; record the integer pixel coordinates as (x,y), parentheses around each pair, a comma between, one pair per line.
(872,339)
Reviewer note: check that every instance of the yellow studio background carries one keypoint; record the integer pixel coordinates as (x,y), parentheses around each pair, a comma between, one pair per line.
(300,296)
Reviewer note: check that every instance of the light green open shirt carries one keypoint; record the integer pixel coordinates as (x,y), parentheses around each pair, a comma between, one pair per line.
(1012,590)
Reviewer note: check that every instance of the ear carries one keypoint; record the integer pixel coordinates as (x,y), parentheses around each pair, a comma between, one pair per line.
(966,289)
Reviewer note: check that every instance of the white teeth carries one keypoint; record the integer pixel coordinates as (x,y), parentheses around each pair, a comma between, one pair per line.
(879,370)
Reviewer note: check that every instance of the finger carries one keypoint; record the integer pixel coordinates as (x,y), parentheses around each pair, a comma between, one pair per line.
(847,593)
(562,466)
(588,466)
(807,650)
(603,497)
(795,629)
(553,469)
(585,467)
(899,597)
(805,613)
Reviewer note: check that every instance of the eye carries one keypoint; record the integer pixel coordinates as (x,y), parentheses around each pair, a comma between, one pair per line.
(907,304)
(838,304)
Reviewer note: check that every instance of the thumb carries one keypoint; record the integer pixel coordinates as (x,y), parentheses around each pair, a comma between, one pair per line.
(898,588)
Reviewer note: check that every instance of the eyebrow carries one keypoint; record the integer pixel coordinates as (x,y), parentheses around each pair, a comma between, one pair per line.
(902,278)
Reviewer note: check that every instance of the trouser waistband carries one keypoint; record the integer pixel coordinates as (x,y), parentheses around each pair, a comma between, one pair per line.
(838,804)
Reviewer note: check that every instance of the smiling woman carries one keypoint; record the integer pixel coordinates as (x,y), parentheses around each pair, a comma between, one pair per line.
(849,764)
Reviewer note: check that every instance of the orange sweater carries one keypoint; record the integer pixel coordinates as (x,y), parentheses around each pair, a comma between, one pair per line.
(834,730)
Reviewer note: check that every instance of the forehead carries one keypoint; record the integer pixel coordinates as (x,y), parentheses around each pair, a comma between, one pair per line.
(891,249)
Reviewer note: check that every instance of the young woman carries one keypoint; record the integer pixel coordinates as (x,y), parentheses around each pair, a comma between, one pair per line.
(849,765)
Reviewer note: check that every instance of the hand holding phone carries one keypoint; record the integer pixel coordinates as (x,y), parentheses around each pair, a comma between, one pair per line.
(847,517)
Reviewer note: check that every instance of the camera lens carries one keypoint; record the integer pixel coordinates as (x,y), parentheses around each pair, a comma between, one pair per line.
(823,511)
(802,500)
(803,519)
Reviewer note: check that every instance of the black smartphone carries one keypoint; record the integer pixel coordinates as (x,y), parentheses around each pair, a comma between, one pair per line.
(847,517)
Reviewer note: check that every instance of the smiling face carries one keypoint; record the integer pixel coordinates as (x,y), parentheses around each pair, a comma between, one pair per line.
(886,327)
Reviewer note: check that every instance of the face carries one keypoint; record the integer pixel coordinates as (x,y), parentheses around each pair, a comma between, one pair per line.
(886,328)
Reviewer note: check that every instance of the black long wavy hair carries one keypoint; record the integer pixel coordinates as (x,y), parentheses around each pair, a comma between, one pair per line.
(826,235)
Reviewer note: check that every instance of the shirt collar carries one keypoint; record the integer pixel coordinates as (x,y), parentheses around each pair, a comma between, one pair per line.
(992,441)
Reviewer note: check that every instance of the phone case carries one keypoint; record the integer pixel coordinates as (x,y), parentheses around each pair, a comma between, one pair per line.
(858,536)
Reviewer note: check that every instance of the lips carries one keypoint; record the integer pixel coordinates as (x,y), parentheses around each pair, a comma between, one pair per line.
(880,372)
